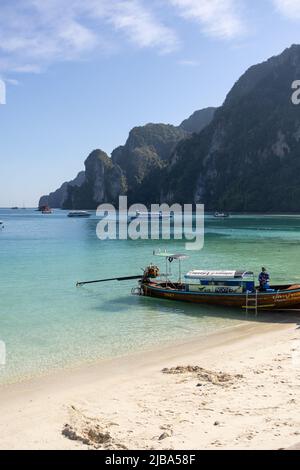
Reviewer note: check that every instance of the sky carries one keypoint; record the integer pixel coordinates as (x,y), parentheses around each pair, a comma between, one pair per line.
(79,75)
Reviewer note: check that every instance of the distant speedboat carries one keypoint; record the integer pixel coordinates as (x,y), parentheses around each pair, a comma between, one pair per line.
(221,215)
(15,208)
(79,214)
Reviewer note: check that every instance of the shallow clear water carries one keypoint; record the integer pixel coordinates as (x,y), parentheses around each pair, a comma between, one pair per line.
(47,323)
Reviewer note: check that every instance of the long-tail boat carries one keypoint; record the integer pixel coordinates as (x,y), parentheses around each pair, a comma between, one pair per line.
(234,289)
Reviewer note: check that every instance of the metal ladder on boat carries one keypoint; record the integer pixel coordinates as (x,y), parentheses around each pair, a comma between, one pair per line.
(252,302)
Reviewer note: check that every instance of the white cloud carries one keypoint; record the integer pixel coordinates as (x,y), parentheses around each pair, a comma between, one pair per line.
(28,68)
(217,18)
(140,27)
(189,62)
(288,8)
(34,33)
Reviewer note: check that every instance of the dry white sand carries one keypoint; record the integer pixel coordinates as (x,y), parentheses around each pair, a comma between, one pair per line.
(237,389)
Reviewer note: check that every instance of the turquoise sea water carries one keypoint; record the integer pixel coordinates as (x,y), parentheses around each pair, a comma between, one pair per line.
(47,323)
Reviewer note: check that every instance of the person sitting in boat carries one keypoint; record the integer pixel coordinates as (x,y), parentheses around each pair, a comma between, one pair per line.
(264,280)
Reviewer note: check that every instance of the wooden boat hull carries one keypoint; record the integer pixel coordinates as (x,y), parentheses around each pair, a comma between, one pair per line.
(287,297)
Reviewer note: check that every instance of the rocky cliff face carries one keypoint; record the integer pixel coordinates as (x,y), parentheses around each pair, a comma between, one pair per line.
(58,197)
(147,150)
(244,156)
(104,182)
(134,169)
(248,158)
(198,120)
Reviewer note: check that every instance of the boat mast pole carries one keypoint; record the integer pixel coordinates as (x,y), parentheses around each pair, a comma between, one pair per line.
(166,270)
(180,271)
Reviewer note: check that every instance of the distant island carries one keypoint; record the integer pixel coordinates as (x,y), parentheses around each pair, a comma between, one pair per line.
(243,156)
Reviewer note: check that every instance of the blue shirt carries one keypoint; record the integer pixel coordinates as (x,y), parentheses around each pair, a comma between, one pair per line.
(264,278)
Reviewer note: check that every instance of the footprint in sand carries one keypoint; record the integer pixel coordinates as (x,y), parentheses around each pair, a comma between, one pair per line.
(216,444)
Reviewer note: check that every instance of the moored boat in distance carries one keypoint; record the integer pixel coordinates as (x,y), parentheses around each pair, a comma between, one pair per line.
(47,210)
(79,214)
(232,288)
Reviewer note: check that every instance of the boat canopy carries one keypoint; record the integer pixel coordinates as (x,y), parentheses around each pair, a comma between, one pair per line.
(170,256)
(219,275)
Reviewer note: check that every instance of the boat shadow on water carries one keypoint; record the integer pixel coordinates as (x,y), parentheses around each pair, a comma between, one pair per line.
(226,313)
(196,311)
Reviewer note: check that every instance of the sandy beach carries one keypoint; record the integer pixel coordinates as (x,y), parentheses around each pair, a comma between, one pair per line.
(235,389)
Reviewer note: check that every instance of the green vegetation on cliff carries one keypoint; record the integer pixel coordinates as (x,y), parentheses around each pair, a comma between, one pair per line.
(248,158)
